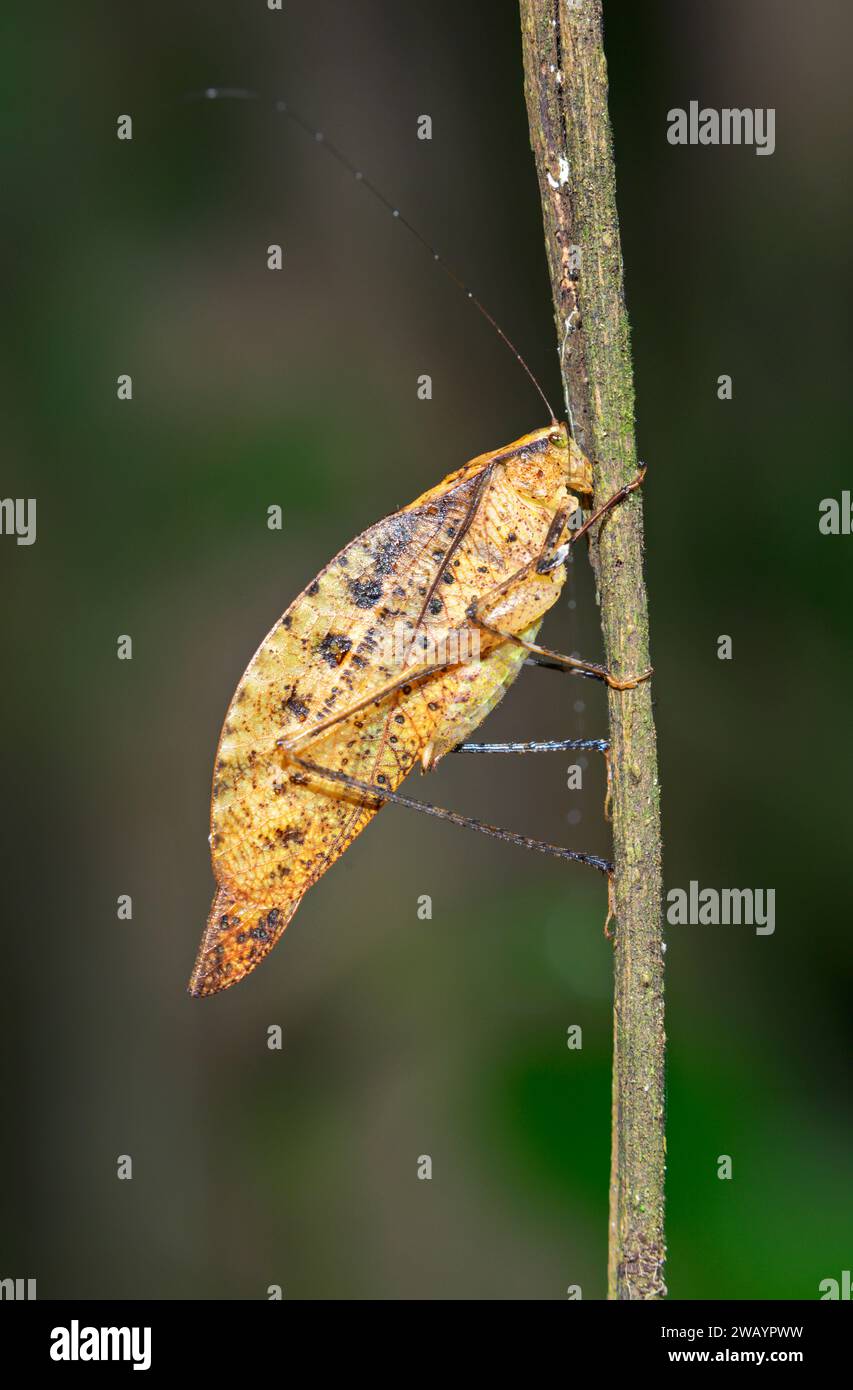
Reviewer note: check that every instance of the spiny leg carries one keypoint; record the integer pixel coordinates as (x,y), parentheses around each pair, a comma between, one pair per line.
(383,794)
(549,745)
(558,745)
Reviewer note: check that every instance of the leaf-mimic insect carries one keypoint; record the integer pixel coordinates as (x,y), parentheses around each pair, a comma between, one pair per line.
(391,657)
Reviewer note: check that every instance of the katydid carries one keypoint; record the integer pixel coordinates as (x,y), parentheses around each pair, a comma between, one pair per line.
(370,671)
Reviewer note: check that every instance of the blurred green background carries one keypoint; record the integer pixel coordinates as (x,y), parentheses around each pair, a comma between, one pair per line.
(254,1167)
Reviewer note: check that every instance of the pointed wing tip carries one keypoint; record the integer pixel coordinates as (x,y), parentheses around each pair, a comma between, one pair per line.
(200,987)
(210,975)
(238,935)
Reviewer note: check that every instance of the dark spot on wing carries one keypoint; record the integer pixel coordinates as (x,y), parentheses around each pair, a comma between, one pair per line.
(366,593)
(289,836)
(394,543)
(334,648)
(296,707)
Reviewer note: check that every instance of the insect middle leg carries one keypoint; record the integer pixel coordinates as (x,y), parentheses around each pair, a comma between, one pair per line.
(566,663)
(548,745)
(552,745)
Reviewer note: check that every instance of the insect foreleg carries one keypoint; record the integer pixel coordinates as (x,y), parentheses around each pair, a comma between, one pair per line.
(545,563)
(549,559)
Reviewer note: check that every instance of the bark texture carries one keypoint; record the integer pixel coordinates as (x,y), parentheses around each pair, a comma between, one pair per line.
(566,91)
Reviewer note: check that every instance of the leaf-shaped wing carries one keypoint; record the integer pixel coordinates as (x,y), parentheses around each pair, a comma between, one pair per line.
(343,670)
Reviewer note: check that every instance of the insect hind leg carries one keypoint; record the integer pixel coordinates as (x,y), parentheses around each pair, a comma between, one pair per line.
(383,794)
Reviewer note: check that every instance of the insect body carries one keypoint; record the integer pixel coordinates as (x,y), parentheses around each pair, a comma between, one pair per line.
(392,656)
(369,672)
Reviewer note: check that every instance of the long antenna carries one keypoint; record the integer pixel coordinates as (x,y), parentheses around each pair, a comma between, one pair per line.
(243,94)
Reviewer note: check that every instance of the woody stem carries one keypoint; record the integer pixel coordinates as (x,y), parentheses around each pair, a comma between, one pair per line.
(566,92)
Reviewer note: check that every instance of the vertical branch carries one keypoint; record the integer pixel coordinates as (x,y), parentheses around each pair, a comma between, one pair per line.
(566,92)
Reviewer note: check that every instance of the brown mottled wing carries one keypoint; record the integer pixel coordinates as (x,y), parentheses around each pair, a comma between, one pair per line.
(275,828)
